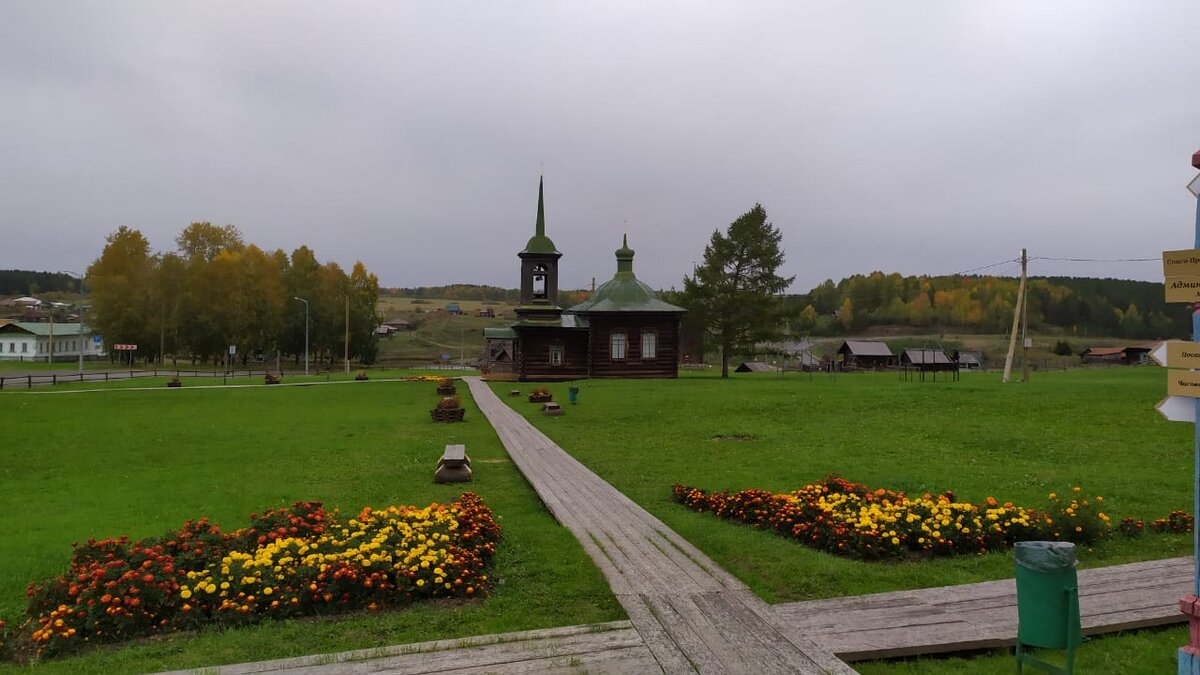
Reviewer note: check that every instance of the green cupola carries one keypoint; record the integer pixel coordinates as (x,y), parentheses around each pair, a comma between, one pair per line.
(624,293)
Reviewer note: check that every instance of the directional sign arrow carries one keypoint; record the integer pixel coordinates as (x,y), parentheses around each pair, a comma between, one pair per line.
(1177,354)
(1159,354)
(1178,408)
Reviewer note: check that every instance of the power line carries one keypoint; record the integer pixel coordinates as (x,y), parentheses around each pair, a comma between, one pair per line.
(1098,260)
(976,269)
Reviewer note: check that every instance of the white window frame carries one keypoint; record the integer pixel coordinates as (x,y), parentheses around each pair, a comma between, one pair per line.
(556,355)
(650,345)
(618,349)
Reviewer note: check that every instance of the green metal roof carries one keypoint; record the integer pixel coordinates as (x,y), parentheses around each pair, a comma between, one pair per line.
(499,333)
(43,329)
(564,321)
(624,293)
(539,242)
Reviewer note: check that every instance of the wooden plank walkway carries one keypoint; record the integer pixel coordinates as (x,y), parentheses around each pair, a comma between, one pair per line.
(693,615)
(614,647)
(984,615)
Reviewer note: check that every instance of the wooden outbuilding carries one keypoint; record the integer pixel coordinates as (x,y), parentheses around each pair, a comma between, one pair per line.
(925,360)
(865,355)
(756,367)
(1125,356)
(968,360)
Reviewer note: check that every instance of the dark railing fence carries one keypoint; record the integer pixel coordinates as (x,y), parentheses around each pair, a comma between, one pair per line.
(29,381)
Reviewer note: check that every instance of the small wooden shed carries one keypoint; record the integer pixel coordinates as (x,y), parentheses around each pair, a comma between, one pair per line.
(756,367)
(865,355)
(926,360)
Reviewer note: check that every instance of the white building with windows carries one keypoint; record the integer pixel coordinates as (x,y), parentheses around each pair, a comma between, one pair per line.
(22,341)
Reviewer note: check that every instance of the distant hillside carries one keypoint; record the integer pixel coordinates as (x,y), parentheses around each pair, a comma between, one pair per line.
(28,282)
(984,304)
(494,294)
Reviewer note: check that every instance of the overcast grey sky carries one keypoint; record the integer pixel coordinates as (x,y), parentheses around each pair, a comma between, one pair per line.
(916,137)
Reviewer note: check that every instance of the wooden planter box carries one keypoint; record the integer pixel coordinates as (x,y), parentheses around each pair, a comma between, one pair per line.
(446,391)
(271,379)
(447,415)
(174,384)
(542,398)
(361,378)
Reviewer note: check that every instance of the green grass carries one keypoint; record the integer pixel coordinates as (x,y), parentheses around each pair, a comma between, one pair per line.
(1145,652)
(1094,428)
(81,465)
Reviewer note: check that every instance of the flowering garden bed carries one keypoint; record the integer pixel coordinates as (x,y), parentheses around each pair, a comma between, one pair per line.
(289,562)
(852,520)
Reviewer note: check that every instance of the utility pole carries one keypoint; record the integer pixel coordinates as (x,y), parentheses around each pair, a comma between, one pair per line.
(1024,327)
(1012,340)
(346,357)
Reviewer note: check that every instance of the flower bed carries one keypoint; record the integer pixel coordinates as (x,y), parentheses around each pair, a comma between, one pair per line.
(290,562)
(849,519)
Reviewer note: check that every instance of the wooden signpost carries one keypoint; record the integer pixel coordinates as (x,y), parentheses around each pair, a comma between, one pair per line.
(1180,268)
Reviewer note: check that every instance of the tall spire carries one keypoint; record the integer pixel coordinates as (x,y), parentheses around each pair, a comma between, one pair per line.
(539,243)
(541,216)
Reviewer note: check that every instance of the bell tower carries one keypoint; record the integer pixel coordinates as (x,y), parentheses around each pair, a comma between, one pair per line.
(539,271)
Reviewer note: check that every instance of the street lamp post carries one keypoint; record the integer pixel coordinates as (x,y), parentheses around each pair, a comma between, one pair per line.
(305,331)
(80,277)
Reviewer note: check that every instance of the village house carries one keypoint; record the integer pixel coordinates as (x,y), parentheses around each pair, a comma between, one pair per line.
(24,341)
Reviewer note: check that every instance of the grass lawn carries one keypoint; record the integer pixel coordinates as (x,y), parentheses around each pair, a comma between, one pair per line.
(1093,428)
(81,465)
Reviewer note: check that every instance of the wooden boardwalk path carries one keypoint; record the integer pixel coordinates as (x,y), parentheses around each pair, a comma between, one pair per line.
(693,615)
(984,615)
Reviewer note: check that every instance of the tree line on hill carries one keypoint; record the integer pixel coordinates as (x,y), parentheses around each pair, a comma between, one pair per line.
(984,304)
(481,293)
(216,291)
(28,282)
(736,302)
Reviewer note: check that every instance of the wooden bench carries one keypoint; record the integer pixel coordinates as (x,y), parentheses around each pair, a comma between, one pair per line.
(551,408)
(454,466)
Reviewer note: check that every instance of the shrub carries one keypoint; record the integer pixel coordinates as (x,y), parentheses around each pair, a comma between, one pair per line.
(1062,348)
(1079,520)
(1131,527)
(1177,522)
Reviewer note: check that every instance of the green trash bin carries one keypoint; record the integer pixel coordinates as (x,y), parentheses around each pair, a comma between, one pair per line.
(1047,601)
